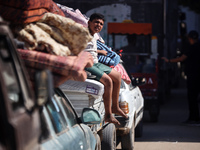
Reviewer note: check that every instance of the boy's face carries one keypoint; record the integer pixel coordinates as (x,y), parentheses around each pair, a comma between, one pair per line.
(95,26)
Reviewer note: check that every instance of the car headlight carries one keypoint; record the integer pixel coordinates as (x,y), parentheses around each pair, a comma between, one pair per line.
(124,107)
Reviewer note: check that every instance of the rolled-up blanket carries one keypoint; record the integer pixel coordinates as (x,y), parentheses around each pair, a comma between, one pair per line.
(71,67)
(119,68)
(111,59)
(27,11)
(75,35)
(37,39)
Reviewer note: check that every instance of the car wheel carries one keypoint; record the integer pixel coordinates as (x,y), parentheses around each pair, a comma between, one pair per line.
(109,137)
(139,129)
(98,145)
(128,140)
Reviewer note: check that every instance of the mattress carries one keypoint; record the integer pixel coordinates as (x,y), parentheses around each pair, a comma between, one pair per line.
(91,87)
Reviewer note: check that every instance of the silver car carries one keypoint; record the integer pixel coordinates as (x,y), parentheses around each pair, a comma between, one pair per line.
(63,130)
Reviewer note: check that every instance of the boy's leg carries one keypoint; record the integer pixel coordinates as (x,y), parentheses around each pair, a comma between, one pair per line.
(116,78)
(108,88)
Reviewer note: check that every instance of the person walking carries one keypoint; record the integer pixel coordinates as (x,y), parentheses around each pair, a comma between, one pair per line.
(192,69)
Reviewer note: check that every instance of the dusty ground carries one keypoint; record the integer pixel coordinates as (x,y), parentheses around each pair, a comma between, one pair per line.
(169,133)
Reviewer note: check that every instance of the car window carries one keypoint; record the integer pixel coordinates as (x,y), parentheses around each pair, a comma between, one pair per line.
(71,117)
(122,86)
(56,115)
(9,75)
(131,86)
(44,128)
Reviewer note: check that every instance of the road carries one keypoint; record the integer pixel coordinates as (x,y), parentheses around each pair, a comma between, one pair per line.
(169,133)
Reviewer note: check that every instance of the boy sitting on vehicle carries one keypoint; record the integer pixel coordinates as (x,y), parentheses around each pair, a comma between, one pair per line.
(110,78)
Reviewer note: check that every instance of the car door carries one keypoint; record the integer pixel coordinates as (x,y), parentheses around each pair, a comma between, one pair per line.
(136,94)
(138,98)
(19,123)
(64,131)
(65,103)
(132,97)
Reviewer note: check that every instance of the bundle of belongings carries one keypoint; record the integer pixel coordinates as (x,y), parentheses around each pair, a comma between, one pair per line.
(51,40)
(111,59)
(75,15)
(27,11)
(55,34)
(54,37)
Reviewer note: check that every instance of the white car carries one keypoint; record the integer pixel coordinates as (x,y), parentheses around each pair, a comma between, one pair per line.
(90,94)
(131,96)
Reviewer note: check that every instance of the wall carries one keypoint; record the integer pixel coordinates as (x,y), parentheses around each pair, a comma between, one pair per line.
(192,19)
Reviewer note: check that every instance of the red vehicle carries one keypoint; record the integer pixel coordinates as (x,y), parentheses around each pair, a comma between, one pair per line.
(141,58)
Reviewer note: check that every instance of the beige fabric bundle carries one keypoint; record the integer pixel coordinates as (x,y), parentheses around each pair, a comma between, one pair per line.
(54,32)
(57,34)
(37,39)
(75,35)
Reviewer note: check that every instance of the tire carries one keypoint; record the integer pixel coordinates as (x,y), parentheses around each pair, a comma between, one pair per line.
(109,137)
(139,129)
(128,140)
(98,145)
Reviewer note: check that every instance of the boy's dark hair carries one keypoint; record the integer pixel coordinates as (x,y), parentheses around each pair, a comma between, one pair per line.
(96,16)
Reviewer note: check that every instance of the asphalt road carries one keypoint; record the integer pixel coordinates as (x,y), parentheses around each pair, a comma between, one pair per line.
(169,133)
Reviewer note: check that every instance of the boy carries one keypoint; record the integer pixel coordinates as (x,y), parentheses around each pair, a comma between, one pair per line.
(110,78)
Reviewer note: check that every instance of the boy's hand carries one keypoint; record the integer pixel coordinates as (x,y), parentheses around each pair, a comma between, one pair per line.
(103,52)
(83,60)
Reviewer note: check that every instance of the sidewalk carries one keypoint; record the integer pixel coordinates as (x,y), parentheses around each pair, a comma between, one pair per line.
(169,133)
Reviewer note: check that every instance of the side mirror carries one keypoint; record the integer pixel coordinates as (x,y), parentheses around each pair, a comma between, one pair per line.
(138,81)
(90,116)
(43,86)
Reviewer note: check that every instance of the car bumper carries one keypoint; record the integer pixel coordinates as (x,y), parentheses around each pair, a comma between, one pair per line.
(123,128)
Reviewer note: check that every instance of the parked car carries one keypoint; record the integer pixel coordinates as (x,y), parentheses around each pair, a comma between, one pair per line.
(131,96)
(62,129)
(90,94)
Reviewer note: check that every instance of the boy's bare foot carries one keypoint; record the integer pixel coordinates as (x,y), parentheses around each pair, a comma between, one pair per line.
(111,119)
(119,112)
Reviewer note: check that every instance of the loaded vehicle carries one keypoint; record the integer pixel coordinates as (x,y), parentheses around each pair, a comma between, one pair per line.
(37,117)
(19,105)
(163,15)
(141,57)
(90,94)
